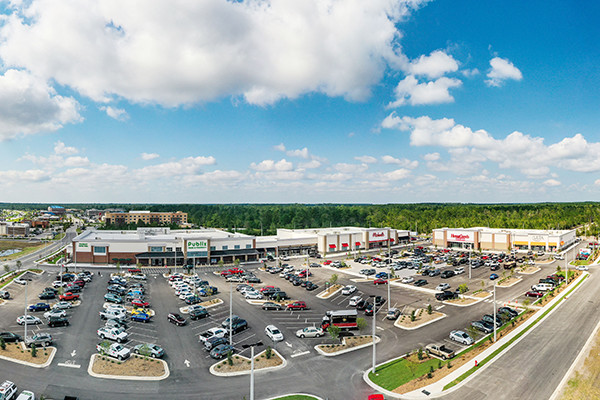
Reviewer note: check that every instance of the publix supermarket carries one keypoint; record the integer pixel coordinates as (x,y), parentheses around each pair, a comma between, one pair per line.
(166,247)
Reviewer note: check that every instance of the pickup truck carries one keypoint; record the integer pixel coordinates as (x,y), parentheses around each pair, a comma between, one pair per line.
(212,332)
(69,296)
(439,350)
(117,334)
(114,350)
(113,314)
(445,295)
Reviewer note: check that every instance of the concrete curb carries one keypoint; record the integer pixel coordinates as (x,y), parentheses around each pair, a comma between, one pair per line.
(213,368)
(397,325)
(436,393)
(475,301)
(295,394)
(531,273)
(511,285)
(44,365)
(128,378)
(323,296)
(337,353)
(185,309)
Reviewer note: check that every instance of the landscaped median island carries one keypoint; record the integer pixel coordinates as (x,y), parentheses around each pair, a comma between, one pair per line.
(509,281)
(136,367)
(236,364)
(418,370)
(330,291)
(17,352)
(418,318)
(349,343)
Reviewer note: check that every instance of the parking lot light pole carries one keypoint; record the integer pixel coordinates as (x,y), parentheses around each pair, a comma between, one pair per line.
(374,327)
(25,336)
(230,313)
(494,311)
(389,289)
(252,345)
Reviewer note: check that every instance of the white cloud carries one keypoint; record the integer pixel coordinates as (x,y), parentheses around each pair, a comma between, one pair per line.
(470,72)
(366,159)
(502,70)
(312,164)
(185,166)
(261,50)
(31,175)
(303,153)
(115,113)
(76,161)
(350,168)
(61,149)
(279,147)
(410,91)
(552,182)
(149,156)
(397,174)
(29,106)
(403,162)
(270,165)
(431,156)
(435,65)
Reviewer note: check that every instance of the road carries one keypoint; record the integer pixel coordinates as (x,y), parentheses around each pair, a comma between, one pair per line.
(51,247)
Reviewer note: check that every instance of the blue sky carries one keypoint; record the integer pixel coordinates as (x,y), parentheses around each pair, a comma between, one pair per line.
(299,101)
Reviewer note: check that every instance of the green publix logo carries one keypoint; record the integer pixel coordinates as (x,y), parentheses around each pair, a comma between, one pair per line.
(197,245)
(83,245)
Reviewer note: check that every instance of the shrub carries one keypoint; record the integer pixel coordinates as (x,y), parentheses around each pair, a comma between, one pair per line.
(33,350)
(219,366)
(431,369)
(429,375)
(449,365)
(420,353)
(429,309)
(412,316)
(268,352)
(2,344)
(229,359)
(439,364)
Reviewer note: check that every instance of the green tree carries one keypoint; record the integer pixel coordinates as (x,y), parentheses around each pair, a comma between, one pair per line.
(229,358)
(145,350)
(220,263)
(361,323)
(268,352)
(412,316)
(33,350)
(236,262)
(333,279)
(334,331)
(19,264)
(463,288)
(2,344)
(429,309)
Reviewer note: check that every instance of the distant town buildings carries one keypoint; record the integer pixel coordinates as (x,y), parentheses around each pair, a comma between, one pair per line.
(14,229)
(147,217)
(56,210)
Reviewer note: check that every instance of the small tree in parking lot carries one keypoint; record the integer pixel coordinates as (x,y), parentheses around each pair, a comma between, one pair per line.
(144,350)
(268,352)
(334,331)
(463,288)
(429,309)
(333,279)
(361,323)
(33,350)
(2,344)
(412,316)
(229,358)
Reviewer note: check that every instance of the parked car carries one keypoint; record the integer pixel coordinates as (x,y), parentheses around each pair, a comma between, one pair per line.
(421,282)
(20,281)
(39,339)
(55,312)
(269,305)
(508,311)
(483,326)
(58,321)
(176,319)
(442,286)
(445,295)
(459,270)
(297,305)
(149,349)
(141,317)
(117,334)
(69,296)
(447,274)
(221,351)
(393,313)
(408,279)
(461,337)
(10,337)
(362,304)
(490,319)
(348,290)
(533,293)
(29,319)
(310,332)
(139,303)
(214,341)
(354,300)
(39,307)
(494,277)
(198,313)
(273,333)
(113,298)
(380,281)
(279,295)
(26,395)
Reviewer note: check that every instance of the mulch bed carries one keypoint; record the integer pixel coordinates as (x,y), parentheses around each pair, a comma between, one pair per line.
(133,366)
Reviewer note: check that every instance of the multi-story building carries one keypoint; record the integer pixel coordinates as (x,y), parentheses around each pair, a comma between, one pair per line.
(132,217)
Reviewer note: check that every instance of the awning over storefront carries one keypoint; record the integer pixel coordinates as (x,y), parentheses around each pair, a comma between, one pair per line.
(332,246)
(344,244)
(160,254)
(357,243)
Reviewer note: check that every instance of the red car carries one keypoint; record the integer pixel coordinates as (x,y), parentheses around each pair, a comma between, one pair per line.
(68,296)
(139,303)
(376,397)
(533,293)
(380,281)
(266,288)
(134,270)
(302,274)
(297,305)
(326,262)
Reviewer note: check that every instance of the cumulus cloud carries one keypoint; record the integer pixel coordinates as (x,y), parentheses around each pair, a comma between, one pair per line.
(61,149)
(303,153)
(115,113)
(435,65)
(398,174)
(431,156)
(351,168)
(517,150)
(28,105)
(552,182)
(366,159)
(312,164)
(403,162)
(279,147)
(179,52)
(149,156)
(185,166)
(502,70)
(270,165)
(410,91)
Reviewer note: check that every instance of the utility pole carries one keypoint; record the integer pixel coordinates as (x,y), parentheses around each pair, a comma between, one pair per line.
(230,314)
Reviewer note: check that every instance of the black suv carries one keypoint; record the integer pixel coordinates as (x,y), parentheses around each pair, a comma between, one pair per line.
(281,295)
(445,295)
(214,342)
(239,325)
(47,295)
(58,321)
(198,313)
(10,337)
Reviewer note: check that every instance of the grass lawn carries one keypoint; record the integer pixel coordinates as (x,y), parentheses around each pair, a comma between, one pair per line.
(25,247)
(398,372)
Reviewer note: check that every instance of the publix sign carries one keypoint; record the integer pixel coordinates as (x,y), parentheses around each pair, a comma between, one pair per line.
(197,245)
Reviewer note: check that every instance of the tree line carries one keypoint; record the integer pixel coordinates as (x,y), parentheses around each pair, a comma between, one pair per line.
(257,219)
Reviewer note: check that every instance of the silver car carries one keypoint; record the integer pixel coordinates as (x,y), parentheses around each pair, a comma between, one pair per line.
(310,332)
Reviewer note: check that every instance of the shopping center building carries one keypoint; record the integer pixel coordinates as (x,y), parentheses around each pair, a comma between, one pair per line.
(162,246)
(481,238)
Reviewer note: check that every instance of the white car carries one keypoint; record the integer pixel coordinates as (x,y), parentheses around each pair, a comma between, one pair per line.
(559,257)
(582,268)
(116,307)
(459,270)
(310,332)
(30,319)
(288,269)
(253,295)
(442,286)
(57,284)
(211,333)
(274,333)
(55,312)
(408,279)
(349,289)
(141,277)
(354,300)
(63,305)
(117,334)
(26,395)
(461,337)
(20,281)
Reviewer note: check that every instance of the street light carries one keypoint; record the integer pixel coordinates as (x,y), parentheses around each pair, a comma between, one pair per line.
(25,336)
(230,313)
(494,311)
(374,327)
(252,345)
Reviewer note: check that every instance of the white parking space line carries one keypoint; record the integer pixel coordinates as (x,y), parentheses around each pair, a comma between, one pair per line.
(243,340)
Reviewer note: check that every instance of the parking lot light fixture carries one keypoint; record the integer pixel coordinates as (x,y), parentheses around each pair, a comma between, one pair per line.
(231,313)
(252,345)
(374,327)
(494,311)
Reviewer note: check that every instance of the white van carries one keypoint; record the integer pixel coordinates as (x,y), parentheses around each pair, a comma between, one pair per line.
(542,287)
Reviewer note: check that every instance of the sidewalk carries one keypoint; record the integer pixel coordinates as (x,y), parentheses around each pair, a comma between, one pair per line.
(436,389)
